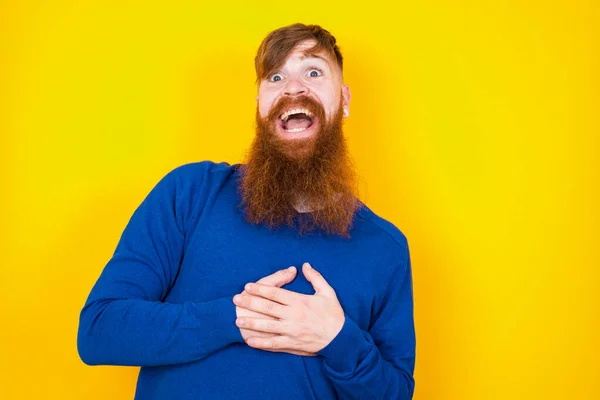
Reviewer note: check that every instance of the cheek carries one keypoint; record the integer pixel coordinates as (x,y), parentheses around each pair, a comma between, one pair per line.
(265,101)
(264,105)
(330,98)
(331,104)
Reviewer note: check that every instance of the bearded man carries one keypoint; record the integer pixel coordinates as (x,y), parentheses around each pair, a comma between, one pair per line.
(197,292)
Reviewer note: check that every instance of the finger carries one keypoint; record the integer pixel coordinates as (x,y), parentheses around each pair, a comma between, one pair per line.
(279,278)
(262,325)
(282,296)
(260,305)
(247,333)
(316,279)
(272,343)
(242,312)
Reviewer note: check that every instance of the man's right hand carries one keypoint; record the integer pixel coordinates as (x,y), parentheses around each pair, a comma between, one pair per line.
(278,279)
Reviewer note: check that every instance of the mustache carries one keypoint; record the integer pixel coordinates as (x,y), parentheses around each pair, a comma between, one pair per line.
(286,103)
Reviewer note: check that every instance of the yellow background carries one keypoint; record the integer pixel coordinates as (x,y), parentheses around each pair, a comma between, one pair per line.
(473,126)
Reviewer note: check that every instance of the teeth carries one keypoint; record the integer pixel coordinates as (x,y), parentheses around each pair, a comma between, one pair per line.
(295,130)
(286,114)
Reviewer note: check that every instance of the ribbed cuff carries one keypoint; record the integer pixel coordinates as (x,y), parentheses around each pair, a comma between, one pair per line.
(345,351)
(219,322)
(231,330)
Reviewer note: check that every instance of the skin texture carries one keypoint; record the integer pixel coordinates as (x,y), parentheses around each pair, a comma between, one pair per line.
(313,81)
(276,280)
(286,321)
(296,79)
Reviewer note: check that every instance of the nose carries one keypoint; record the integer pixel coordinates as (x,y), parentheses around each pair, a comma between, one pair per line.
(295,87)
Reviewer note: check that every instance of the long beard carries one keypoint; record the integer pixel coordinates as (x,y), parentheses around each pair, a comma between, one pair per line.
(318,170)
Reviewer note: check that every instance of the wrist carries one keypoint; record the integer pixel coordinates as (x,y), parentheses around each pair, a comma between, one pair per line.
(347,348)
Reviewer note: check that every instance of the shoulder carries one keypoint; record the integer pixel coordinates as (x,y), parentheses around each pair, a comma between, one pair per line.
(197,175)
(393,250)
(189,186)
(192,181)
(388,235)
(200,169)
(379,226)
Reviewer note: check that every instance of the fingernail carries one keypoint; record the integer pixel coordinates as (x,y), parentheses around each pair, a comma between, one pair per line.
(240,322)
(237,298)
(307,265)
(292,268)
(248,286)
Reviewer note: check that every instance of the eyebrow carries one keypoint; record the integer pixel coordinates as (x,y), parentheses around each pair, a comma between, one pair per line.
(313,55)
(303,56)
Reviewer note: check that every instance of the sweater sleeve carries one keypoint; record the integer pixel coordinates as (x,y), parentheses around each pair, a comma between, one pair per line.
(125,320)
(378,364)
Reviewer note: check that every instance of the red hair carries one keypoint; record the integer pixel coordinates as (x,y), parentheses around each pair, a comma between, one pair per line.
(278,44)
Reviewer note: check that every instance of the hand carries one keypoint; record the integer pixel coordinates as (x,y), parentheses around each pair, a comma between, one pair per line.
(302,323)
(278,279)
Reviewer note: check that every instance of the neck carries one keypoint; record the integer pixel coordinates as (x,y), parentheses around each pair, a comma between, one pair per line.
(301,204)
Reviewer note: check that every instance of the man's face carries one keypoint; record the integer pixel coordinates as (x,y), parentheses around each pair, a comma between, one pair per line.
(299,151)
(313,77)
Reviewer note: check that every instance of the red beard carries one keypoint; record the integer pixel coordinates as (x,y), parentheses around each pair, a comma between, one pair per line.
(279,172)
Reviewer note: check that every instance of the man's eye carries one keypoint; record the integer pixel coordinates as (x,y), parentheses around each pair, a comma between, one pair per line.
(276,78)
(313,73)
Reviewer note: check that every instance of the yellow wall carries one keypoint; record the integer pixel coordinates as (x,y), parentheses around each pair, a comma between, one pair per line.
(474,128)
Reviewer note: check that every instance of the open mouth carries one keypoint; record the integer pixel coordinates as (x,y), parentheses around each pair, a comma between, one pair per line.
(296,120)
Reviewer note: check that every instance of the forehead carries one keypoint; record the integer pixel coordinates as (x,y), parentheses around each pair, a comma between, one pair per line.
(302,51)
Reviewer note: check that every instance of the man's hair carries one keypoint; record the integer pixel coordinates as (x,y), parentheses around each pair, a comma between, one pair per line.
(275,48)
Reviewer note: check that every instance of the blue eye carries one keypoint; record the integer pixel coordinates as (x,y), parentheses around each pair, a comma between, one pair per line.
(276,78)
(315,72)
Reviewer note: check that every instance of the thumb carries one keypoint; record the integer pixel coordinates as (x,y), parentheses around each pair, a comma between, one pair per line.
(316,279)
(279,278)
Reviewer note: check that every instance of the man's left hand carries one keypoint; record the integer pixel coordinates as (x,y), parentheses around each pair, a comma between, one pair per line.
(304,322)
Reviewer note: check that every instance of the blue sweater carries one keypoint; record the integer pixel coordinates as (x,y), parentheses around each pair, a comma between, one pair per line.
(164,300)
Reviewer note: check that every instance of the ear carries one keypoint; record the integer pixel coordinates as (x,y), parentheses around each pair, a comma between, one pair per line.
(346,99)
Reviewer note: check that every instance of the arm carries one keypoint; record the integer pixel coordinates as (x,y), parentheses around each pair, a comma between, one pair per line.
(125,321)
(378,364)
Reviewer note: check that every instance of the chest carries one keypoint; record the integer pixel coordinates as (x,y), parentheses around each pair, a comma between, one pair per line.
(223,253)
